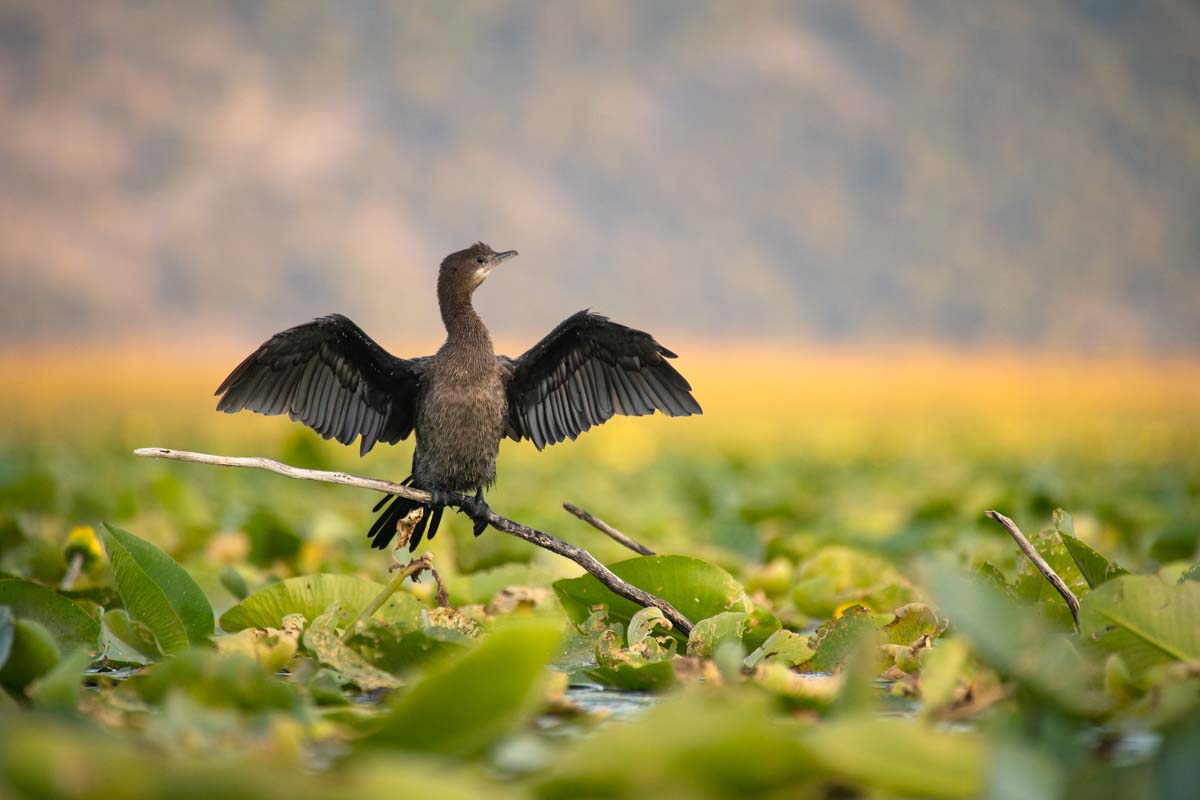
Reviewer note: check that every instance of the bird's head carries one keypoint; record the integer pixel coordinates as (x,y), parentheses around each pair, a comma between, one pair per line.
(467,269)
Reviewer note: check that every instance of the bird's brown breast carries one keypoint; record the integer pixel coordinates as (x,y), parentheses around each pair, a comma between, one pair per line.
(459,425)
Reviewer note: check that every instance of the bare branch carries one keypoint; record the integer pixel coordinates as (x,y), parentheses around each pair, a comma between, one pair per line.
(543,540)
(608,530)
(1033,555)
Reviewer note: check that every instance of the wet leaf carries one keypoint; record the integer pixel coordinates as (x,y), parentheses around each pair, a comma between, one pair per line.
(464,705)
(158,592)
(696,588)
(69,624)
(311,595)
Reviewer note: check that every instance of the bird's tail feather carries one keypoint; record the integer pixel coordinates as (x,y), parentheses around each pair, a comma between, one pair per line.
(384,528)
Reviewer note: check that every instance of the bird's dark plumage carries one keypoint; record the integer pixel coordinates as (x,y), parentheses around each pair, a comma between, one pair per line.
(461,401)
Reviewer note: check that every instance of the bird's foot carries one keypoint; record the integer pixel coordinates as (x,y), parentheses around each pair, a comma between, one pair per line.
(479,511)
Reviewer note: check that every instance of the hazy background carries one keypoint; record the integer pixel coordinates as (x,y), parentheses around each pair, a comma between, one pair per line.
(999,173)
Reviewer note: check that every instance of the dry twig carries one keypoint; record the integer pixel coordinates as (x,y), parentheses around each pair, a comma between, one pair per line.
(608,530)
(543,540)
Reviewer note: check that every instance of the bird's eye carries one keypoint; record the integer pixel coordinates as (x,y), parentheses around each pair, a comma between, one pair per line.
(480,260)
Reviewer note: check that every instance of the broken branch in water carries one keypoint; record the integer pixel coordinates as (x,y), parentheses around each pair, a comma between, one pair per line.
(543,540)
(1033,555)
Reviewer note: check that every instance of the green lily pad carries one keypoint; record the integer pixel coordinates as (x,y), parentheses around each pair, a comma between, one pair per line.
(835,640)
(311,595)
(708,633)
(158,592)
(1144,620)
(322,640)
(69,624)
(466,704)
(782,647)
(696,588)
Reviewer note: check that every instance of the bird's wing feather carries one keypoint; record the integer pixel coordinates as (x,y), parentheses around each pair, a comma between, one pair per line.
(334,378)
(582,373)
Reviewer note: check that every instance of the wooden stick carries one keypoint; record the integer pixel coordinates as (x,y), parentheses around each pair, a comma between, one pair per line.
(1033,555)
(608,530)
(543,540)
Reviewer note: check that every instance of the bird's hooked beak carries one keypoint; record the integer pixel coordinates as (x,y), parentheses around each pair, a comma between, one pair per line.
(500,258)
(496,260)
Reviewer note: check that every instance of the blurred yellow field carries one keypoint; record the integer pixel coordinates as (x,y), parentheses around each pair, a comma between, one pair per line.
(757,395)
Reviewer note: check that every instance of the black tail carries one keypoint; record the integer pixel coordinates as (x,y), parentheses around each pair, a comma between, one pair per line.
(384,529)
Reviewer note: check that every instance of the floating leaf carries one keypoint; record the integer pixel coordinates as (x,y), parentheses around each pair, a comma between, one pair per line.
(708,633)
(900,756)
(158,592)
(1144,620)
(696,588)
(912,622)
(837,575)
(466,704)
(783,647)
(271,647)
(322,640)
(126,641)
(835,640)
(69,624)
(643,625)
(311,595)
(1191,574)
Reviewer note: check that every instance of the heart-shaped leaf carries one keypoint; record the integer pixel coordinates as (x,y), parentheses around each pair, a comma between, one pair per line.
(699,590)
(158,592)
(71,626)
(310,595)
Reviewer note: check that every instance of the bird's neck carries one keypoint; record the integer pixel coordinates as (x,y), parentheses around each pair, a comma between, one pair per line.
(464,328)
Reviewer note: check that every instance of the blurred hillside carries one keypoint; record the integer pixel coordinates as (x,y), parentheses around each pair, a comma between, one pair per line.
(1014,173)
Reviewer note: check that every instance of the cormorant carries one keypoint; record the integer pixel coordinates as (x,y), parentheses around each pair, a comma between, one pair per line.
(462,400)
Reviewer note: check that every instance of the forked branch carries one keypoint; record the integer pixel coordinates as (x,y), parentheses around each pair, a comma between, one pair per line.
(543,540)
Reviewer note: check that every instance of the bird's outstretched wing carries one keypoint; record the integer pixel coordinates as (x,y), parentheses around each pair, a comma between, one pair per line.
(332,377)
(586,370)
